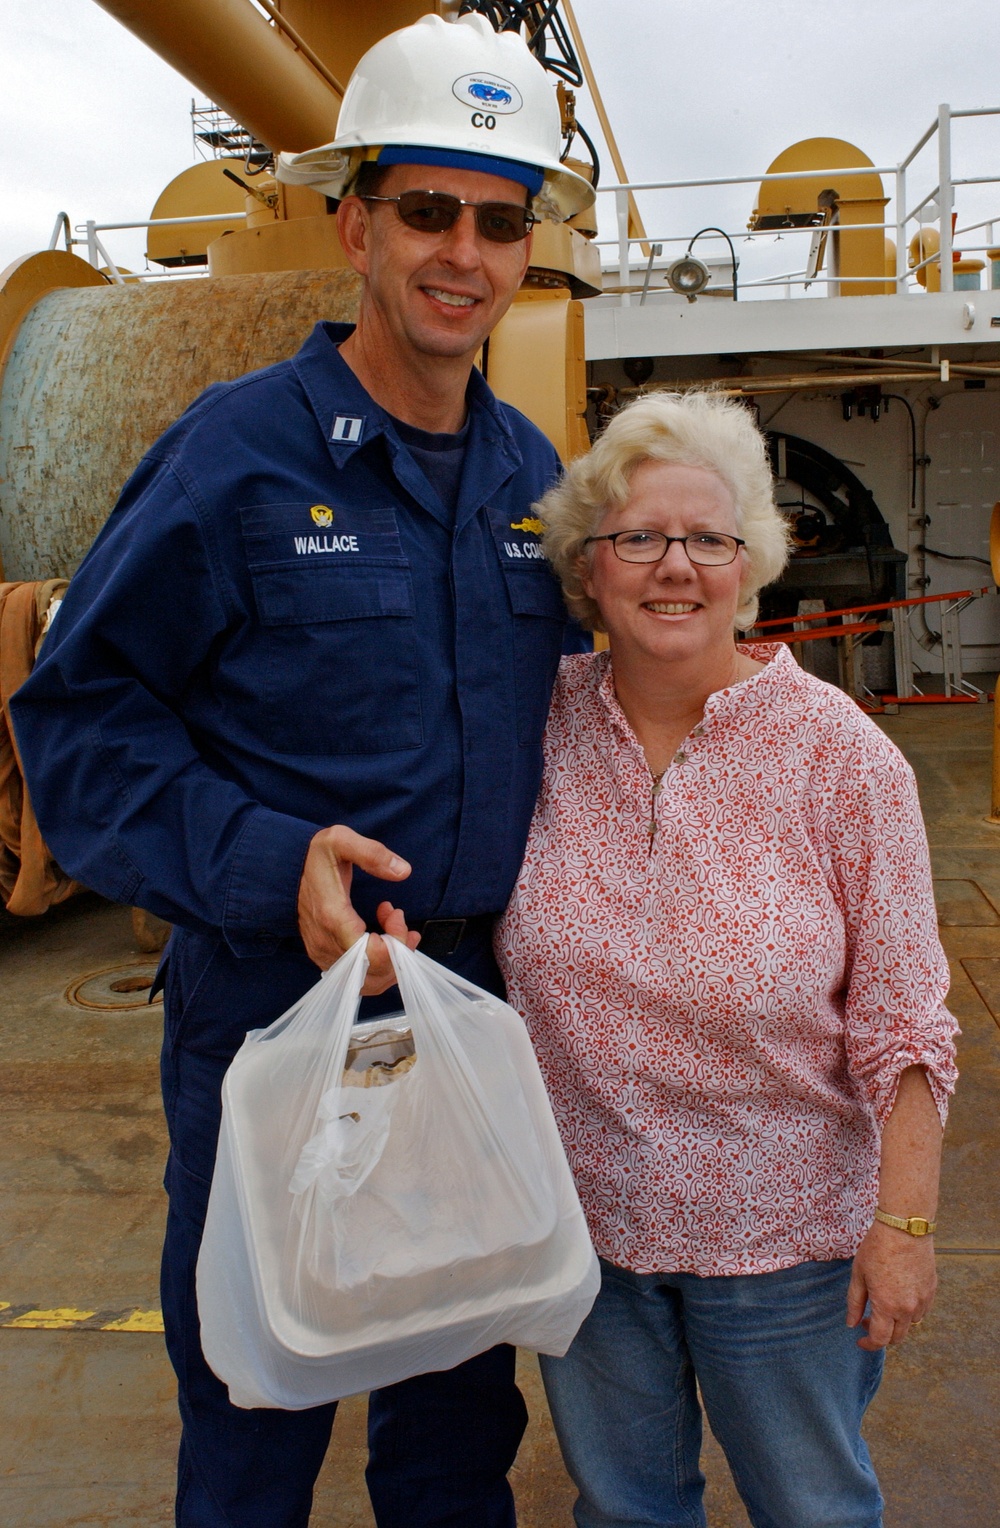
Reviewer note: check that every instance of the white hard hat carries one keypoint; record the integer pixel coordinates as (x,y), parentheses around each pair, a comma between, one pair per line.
(461,92)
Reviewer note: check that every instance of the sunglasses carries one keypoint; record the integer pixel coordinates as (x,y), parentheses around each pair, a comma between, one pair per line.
(436,212)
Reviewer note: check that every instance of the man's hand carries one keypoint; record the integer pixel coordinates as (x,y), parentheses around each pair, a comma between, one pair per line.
(328,922)
(894,1273)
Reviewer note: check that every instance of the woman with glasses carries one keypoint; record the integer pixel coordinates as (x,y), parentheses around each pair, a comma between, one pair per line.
(724,943)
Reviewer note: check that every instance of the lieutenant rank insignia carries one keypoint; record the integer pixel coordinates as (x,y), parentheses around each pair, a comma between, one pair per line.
(346,429)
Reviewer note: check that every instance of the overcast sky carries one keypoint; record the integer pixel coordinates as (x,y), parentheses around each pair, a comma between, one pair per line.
(95,124)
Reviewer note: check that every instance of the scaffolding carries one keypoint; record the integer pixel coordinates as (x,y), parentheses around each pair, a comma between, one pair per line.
(217,136)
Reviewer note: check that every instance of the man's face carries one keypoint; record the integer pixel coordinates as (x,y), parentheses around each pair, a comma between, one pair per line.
(436,294)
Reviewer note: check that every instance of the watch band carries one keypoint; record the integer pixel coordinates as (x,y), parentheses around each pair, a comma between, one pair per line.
(913,1225)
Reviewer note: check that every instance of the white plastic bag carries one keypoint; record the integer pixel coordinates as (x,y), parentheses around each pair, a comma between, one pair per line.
(356,1236)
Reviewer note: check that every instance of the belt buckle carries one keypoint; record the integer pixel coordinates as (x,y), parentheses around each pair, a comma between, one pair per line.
(441,937)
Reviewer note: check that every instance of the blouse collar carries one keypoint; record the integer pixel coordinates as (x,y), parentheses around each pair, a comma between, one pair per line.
(777,679)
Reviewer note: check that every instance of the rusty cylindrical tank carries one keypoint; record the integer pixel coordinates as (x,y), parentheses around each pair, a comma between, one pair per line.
(96,374)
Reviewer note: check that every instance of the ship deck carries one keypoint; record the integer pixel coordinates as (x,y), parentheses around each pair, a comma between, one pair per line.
(89,1427)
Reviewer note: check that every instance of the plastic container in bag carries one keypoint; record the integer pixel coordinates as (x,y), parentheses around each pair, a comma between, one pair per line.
(357,1235)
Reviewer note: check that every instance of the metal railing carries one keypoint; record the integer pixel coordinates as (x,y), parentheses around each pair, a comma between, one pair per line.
(887,616)
(942,195)
(97,252)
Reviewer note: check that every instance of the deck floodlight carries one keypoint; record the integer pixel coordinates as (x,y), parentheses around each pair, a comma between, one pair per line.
(692,275)
(688,276)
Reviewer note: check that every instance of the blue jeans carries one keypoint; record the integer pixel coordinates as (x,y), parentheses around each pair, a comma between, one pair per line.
(783,1382)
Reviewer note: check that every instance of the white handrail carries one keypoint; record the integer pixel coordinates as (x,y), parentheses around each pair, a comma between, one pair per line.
(96,250)
(909,216)
(62,226)
(748,180)
(115,273)
(911,156)
(751,233)
(901,250)
(946,198)
(943,193)
(208,217)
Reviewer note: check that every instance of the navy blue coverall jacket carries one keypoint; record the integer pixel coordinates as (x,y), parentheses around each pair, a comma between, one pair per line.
(279,628)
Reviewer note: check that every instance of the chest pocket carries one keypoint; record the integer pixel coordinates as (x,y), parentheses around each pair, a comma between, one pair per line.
(338,631)
(539,614)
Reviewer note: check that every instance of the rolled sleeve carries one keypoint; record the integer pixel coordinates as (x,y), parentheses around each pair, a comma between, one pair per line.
(897,973)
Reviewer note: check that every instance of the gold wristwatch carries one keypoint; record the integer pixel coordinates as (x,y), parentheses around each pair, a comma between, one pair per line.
(913,1225)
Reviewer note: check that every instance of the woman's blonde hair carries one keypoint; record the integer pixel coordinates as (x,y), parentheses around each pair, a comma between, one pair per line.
(696,429)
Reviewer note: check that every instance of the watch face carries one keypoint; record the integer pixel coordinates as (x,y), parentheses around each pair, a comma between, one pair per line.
(918,1226)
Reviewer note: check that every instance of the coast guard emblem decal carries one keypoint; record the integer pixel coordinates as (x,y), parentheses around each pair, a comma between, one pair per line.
(346,430)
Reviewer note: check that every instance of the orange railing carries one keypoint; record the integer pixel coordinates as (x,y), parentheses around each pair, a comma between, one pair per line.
(848,634)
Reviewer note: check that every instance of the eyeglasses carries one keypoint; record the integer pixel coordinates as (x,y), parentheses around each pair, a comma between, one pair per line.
(436,212)
(707,549)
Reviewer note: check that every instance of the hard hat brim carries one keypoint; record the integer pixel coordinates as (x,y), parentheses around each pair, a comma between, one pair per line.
(330,168)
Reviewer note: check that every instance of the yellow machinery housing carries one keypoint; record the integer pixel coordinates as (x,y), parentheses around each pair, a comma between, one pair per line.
(854,198)
(924,245)
(201,188)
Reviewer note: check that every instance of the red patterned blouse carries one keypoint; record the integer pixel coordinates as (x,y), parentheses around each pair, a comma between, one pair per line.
(722,1007)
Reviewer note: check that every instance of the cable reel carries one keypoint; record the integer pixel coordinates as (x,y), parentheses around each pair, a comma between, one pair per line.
(842,547)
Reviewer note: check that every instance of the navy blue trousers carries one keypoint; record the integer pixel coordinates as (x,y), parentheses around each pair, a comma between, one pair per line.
(440,1444)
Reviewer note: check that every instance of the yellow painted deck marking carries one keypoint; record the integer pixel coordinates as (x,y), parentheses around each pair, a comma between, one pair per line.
(62,1319)
(138,1321)
(67,1318)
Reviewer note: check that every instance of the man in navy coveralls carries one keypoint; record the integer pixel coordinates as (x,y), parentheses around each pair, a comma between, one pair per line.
(316,603)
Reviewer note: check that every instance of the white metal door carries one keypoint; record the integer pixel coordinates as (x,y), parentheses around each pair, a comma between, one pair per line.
(963,484)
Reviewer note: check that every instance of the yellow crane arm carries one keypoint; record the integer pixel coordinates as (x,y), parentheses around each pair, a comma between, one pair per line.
(228,51)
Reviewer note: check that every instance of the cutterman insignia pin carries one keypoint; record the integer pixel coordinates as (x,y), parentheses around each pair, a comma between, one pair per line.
(322,514)
(537,526)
